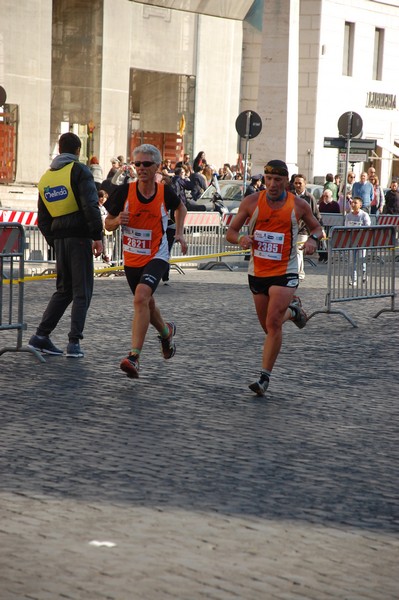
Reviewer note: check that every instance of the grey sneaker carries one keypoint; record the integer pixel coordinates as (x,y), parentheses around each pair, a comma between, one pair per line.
(300,318)
(74,351)
(260,386)
(168,347)
(43,344)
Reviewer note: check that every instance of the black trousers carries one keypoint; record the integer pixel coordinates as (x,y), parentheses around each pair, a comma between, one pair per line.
(75,275)
(170,235)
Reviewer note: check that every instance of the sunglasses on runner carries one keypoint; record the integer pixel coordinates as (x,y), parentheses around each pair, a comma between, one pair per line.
(144,163)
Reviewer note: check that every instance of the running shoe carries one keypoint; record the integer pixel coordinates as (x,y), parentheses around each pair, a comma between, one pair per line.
(74,350)
(260,386)
(168,347)
(43,344)
(130,366)
(300,317)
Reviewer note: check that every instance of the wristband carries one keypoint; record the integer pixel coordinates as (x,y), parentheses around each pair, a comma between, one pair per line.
(239,237)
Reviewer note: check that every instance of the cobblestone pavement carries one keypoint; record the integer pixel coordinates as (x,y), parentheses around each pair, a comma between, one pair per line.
(200,489)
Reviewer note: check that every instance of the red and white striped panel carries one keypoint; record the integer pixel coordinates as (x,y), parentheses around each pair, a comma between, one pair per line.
(362,237)
(202,219)
(227,219)
(388,220)
(18,216)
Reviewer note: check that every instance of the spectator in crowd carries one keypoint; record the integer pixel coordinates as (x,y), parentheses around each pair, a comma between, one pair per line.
(115,164)
(371,172)
(291,186)
(198,181)
(392,199)
(226,172)
(377,203)
(303,232)
(185,163)
(357,218)
(337,181)
(208,172)
(96,171)
(102,197)
(330,185)
(199,160)
(166,168)
(345,193)
(180,183)
(146,257)
(326,205)
(72,225)
(273,268)
(363,189)
(254,185)
(126,173)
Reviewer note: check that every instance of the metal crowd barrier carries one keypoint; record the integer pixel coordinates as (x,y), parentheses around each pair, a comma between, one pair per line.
(205,236)
(361,266)
(12,249)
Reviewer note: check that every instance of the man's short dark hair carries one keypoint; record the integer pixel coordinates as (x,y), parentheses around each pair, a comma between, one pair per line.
(69,142)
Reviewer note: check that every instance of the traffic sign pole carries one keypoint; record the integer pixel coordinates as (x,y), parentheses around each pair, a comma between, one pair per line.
(248,125)
(247,132)
(348,148)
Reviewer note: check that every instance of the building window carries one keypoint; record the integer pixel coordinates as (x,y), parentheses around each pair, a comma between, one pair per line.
(347,63)
(378,53)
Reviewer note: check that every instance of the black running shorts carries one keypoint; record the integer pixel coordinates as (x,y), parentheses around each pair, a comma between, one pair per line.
(150,274)
(261,285)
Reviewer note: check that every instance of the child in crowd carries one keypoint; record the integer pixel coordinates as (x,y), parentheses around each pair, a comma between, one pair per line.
(357,218)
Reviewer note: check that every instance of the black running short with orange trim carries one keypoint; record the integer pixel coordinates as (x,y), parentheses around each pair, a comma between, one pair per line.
(261,285)
(150,274)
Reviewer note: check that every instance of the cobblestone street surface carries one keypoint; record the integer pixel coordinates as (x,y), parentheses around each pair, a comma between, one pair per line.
(183,485)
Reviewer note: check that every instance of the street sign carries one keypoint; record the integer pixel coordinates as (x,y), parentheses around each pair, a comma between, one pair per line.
(248,124)
(353,157)
(350,124)
(356,144)
(3,96)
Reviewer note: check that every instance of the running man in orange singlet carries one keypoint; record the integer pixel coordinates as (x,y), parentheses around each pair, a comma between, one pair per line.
(273,216)
(141,208)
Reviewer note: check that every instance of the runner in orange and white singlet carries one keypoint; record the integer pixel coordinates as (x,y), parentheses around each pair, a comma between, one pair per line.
(273,267)
(141,208)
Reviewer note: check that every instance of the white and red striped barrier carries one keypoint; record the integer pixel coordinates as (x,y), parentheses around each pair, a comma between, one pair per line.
(202,219)
(362,237)
(388,220)
(18,216)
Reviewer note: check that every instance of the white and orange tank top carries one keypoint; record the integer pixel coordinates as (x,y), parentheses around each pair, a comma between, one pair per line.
(144,236)
(275,234)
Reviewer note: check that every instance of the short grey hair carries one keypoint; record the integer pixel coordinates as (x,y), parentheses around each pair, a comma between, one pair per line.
(148,149)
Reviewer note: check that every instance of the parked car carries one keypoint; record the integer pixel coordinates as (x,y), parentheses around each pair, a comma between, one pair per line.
(315,190)
(229,191)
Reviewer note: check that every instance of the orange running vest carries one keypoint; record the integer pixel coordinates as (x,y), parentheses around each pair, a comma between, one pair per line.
(275,234)
(144,236)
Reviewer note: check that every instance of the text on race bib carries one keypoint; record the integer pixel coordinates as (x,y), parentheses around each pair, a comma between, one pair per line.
(136,241)
(268,244)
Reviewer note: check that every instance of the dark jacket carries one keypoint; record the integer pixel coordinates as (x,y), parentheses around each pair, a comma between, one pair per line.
(311,200)
(199,185)
(391,203)
(86,222)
